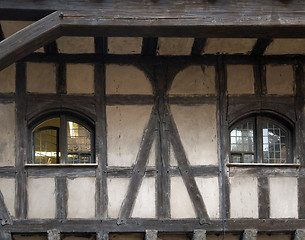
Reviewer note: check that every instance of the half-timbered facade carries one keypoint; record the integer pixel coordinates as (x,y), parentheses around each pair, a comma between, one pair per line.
(152,120)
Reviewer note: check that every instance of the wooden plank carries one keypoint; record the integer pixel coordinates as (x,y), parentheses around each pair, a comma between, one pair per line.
(198,46)
(61,191)
(131,99)
(250,234)
(101,142)
(139,169)
(301,197)
(260,46)
(140,225)
(53,234)
(149,46)
(186,172)
(199,234)
(5,235)
(1,34)
(151,235)
(101,45)
(61,78)
(263,197)
(61,171)
(29,39)
(21,142)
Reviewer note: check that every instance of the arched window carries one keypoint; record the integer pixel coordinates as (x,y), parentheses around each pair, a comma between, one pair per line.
(62,139)
(260,140)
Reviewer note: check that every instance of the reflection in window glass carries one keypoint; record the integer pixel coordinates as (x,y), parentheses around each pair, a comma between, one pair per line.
(79,143)
(242,148)
(274,143)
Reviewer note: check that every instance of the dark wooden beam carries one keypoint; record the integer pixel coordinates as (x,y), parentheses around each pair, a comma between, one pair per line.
(51,48)
(260,46)
(139,170)
(149,46)
(61,190)
(140,225)
(29,39)
(101,45)
(198,46)
(1,34)
(263,197)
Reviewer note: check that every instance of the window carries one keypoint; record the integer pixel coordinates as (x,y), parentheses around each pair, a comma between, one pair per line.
(62,140)
(260,140)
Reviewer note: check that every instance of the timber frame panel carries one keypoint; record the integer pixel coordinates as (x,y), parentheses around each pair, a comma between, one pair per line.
(161,71)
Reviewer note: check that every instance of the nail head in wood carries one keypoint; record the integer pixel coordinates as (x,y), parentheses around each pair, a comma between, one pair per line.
(250,234)
(199,234)
(299,234)
(151,235)
(53,234)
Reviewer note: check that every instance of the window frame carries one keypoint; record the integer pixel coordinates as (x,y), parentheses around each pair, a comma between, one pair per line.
(258,120)
(64,117)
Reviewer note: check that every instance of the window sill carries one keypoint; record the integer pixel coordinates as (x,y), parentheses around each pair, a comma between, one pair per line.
(62,165)
(292,165)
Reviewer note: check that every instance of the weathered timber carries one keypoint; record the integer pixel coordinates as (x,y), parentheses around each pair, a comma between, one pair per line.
(61,81)
(129,99)
(151,235)
(186,172)
(7,172)
(101,45)
(60,171)
(299,234)
(139,169)
(192,100)
(250,234)
(7,98)
(21,142)
(260,46)
(5,216)
(199,234)
(140,225)
(263,197)
(149,46)
(102,236)
(29,39)
(5,235)
(301,196)
(162,146)
(53,234)
(51,48)
(61,192)
(100,141)
(198,46)
(1,34)
(223,141)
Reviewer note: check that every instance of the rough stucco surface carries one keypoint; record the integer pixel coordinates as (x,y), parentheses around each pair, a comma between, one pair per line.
(194,80)
(11,27)
(175,46)
(75,45)
(180,202)
(240,79)
(209,189)
(117,189)
(7,134)
(286,46)
(7,79)
(280,79)
(145,206)
(244,197)
(80,79)
(7,187)
(81,192)
(197,129)
(283,207)
(126,79)
(229,45)
(124,45)
(41,198)
(41,77)
(125,128)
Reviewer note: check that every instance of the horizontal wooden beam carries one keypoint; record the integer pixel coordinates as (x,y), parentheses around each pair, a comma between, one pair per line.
(141,225)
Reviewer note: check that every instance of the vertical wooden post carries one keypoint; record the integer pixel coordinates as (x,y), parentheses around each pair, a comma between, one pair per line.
(53,234)
(151,235)
(250,234)
(199,234)
(61,197)
(299,234)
